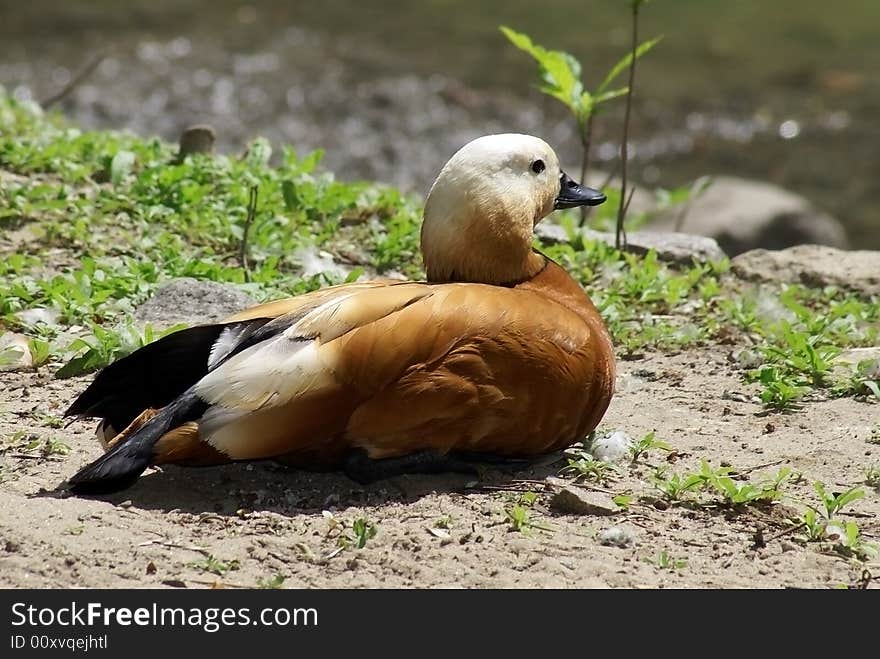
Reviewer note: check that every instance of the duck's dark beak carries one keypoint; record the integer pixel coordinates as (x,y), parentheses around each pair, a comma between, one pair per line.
(573,194)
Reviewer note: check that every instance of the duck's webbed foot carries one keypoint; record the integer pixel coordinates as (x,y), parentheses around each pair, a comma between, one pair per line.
(360,467)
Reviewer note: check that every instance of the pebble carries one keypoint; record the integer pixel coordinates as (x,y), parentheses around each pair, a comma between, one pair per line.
(611,447)
(616,536)
(577,501)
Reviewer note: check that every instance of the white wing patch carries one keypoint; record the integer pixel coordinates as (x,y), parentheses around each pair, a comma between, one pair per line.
(290,364)
(267,374)
(224,344)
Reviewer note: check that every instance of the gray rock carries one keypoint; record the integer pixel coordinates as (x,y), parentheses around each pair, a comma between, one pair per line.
(196,139)
(39,316)
(616,536)
(682,248)
(576,501)
(193,302)
(551,233)
(812,265)
(611,447)
(864,361)
(742,215)
(15,352)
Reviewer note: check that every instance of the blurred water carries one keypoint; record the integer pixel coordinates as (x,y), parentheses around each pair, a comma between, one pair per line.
(786,91)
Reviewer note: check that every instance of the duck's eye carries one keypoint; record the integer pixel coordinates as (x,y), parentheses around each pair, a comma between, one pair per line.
(538,166)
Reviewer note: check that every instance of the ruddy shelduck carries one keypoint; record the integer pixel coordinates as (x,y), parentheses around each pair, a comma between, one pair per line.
(500,353)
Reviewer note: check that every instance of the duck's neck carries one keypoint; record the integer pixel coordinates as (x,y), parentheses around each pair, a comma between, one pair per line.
(507,268)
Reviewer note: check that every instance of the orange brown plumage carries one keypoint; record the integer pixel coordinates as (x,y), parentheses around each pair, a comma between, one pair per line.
(499,353)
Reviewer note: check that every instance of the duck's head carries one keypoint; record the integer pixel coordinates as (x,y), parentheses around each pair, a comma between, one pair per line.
(481,211)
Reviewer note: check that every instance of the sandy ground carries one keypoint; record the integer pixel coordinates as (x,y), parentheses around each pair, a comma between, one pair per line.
(267,520)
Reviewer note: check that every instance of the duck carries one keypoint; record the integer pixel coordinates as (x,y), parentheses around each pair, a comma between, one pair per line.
(498,355)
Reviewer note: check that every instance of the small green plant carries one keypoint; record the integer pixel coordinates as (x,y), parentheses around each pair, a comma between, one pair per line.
(834,503)
(739,494)
(647,443)
(674,487)
(25,442)
(55,447)
(585,467)
(444,522)
(863,380)
(560,78)
(851,543)
(214,565)
(821,524)
(364,530)
(22,441)
(271,583)
(779,390)
(519,518)
(872,476)
(41,351)
(666,562)
(528,498)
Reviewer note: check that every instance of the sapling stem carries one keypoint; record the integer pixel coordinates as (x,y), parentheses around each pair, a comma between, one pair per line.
(624,147)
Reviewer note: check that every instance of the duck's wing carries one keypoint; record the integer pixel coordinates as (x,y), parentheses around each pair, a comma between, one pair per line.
(390,369)
(156,374)
(254,353)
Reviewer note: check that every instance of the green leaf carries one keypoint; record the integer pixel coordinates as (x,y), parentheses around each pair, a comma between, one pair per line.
(10,355)
(121,166)
(259,152)
(559,71)
(873,387)
(624,63)
(40,351)
(610,95)
(288,191)
(848,497)
(76,366)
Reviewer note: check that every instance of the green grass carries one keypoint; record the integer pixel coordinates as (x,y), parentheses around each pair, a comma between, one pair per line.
(214,565)
(720,486)
(822,524)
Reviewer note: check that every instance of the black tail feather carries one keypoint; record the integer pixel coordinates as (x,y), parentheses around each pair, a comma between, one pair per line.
(150,377)
(121,466)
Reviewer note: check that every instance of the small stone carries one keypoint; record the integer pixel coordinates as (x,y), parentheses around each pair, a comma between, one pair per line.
(576,501)
(616,536)
(742,214)
(193,302)
(196,139)
(812,265)
(39,316)
(15,352)
(611,447)
(672,247)
(866,360)
(125,504)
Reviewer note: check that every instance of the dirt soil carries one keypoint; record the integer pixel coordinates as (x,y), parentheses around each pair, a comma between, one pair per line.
(267,520)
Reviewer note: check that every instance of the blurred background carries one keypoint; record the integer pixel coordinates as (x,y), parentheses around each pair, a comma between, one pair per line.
(782,91)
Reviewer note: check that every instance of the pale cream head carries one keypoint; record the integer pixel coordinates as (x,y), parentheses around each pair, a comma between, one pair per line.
(481,211)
